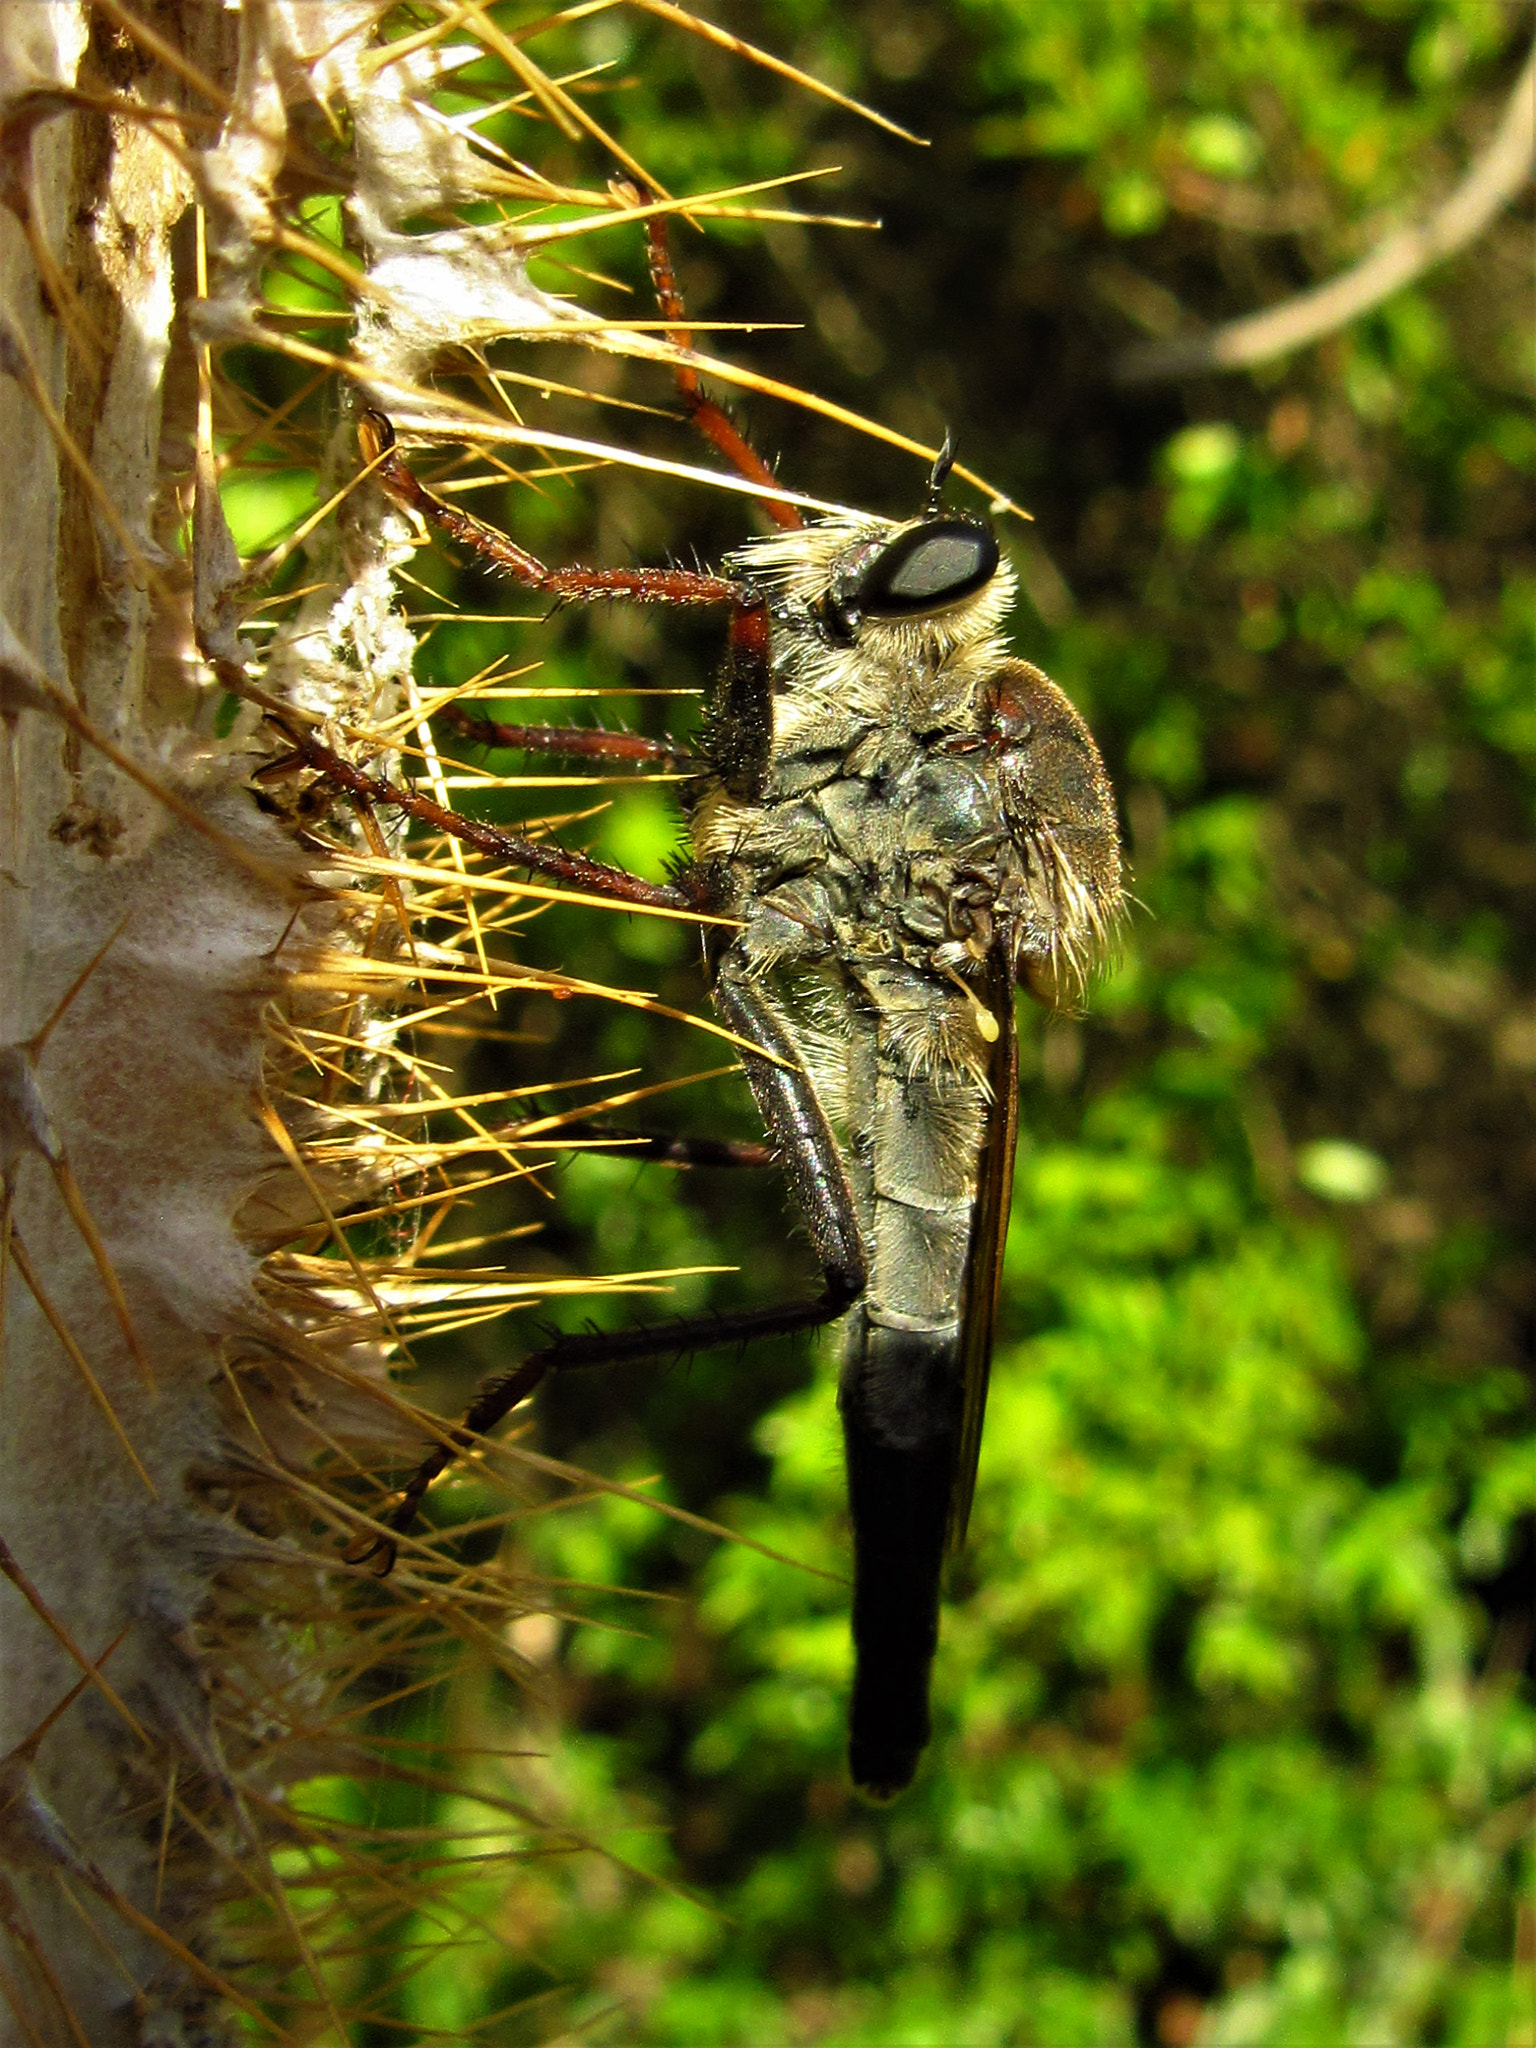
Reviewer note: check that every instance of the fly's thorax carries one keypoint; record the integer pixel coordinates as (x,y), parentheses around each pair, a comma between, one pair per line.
(917,796)
(897,852)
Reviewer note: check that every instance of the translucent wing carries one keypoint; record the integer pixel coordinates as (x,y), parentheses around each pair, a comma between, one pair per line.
(989,1229)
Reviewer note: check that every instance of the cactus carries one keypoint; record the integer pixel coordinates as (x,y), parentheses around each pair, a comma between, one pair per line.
(215,1138)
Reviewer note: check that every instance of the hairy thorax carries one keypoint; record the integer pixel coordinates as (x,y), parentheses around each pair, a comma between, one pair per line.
(897,839)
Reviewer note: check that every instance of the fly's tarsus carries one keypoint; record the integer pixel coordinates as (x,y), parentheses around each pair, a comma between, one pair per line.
(593,877)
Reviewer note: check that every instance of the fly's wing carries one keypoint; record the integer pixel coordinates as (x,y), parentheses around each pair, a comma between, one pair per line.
(984,1264)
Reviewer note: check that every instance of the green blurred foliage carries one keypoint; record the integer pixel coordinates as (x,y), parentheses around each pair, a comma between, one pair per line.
(1235,1734)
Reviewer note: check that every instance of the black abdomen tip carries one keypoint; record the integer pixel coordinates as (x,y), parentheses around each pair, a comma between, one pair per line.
(880,1771)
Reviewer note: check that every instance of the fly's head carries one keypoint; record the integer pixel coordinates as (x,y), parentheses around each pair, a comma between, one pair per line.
(908,593)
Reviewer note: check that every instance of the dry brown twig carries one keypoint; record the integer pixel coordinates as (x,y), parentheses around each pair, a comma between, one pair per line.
(1497,177)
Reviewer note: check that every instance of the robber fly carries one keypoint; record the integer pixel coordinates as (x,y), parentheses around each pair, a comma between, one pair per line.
(893,822)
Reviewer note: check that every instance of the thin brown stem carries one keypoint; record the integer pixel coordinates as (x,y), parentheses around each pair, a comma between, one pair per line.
(1498,175)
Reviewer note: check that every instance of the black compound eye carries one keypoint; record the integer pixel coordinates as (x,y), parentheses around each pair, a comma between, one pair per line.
(927,570)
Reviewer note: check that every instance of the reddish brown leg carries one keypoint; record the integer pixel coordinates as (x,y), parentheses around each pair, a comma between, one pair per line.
(712,421)
(802,1138)
(661,1148)
(574,742)
(376,438)
(617,885)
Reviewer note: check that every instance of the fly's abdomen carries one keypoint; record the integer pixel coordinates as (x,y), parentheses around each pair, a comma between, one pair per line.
(917,1137)
(898,1499)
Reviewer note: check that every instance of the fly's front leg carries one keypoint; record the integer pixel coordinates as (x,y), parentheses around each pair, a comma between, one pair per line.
(712,421)
(803,1143)
(376,438)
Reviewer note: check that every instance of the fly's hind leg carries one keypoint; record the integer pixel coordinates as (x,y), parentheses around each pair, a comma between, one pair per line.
(801,1140)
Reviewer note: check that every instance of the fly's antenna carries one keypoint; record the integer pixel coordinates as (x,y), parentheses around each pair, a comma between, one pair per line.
(938,476)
